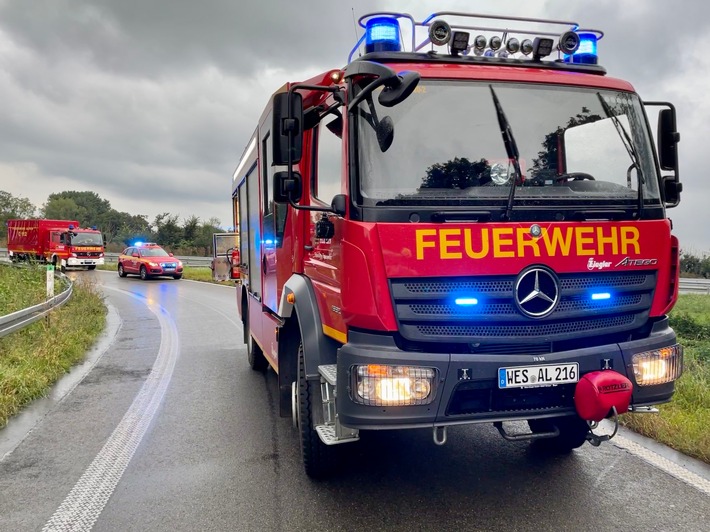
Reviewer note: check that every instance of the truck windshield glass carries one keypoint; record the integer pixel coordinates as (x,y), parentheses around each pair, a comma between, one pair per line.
(447,148)
(86,239)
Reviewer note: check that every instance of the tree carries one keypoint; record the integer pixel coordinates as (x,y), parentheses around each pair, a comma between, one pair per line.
(60,208)
(167,231)
(14,207)
(89,208)
(458,173)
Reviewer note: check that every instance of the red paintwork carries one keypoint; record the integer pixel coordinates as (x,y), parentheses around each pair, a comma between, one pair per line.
(350,272)
(34,237)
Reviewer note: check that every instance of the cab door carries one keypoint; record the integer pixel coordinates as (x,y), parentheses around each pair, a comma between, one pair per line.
(274,215)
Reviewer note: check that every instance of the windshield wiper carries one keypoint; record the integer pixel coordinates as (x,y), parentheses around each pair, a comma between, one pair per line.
(628,144)
(511,148)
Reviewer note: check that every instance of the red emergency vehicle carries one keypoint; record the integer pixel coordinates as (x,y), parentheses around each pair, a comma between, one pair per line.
(60,242)
(467,223)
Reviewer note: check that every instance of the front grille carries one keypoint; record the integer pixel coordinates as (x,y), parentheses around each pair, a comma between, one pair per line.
(484,398)
(427,313)
(88,253)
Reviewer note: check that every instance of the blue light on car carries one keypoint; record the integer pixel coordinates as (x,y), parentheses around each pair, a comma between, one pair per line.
(466,301)
(598,296)
(138,244)
(382,35)
(587,52)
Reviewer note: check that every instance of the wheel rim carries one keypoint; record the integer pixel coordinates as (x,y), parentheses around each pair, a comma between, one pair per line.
(294,404)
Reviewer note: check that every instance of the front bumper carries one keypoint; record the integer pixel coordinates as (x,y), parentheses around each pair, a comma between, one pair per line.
(468,392)
(159,270)
(82,261)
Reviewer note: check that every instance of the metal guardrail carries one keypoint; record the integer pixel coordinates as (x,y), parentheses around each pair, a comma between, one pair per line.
(694,286)
(22,318)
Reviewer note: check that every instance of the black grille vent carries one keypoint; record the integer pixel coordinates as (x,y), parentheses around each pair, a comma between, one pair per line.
(427,312)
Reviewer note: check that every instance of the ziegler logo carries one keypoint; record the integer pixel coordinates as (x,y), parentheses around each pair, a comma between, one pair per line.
(637,262)
(597,265)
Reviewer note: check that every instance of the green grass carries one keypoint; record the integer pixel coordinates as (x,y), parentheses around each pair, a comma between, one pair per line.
(684,423)
(33,358)
(33,281)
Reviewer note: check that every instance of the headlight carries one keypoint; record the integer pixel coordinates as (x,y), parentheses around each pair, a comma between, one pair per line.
(179,264)
(153,264)
(658,366)
(384,385)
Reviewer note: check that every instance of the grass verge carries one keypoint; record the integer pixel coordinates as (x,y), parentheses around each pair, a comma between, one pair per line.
(683,424)
(33,358)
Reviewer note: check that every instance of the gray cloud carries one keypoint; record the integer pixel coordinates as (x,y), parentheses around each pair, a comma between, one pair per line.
(150,102)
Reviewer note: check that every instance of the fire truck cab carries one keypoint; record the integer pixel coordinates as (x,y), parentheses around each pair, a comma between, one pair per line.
(465,224)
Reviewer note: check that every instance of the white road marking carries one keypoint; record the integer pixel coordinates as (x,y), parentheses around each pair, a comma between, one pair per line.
(664,464)
(87,499)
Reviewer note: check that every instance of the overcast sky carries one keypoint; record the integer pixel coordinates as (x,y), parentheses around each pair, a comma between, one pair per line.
(150,103)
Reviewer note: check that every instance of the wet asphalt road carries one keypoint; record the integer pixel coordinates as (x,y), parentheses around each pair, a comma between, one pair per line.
(205,449)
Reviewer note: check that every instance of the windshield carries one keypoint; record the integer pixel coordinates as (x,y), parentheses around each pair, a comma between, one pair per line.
(86,239)
(154,252)
(577,146)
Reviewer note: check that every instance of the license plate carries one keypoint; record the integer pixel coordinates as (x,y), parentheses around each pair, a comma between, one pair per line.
(545,375)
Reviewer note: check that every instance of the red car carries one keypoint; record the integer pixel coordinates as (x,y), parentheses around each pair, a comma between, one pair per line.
(148,260)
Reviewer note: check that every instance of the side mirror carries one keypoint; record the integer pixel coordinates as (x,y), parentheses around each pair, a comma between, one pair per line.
(287,128)
(668,139)
(671,191)
(339,204)
(287,190)
(171,254)
(136,254)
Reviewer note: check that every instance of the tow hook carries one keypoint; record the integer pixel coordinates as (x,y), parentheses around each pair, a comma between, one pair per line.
(597,439)
(439,435)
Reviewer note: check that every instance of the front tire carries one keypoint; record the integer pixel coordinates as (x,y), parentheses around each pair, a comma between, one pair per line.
(177,277)
(255,356)
(573,433)
(144,273)
(121,271)
(319,460)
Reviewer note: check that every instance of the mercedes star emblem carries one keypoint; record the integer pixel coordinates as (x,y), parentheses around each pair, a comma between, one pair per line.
(537,292)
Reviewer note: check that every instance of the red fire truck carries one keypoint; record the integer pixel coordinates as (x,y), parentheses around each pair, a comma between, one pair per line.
(60,242)
(467,223)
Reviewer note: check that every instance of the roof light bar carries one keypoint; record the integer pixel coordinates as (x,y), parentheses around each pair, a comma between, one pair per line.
(495,36)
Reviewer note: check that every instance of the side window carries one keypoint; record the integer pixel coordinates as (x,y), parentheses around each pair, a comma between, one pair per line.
(328,159)
(274,214)
(266,172)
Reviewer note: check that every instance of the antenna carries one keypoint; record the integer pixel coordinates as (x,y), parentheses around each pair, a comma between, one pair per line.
(355,28)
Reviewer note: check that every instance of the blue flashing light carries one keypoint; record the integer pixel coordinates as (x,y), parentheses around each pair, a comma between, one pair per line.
(382,35)
(466,301)
(586,54)
(138,243)
(598,296)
